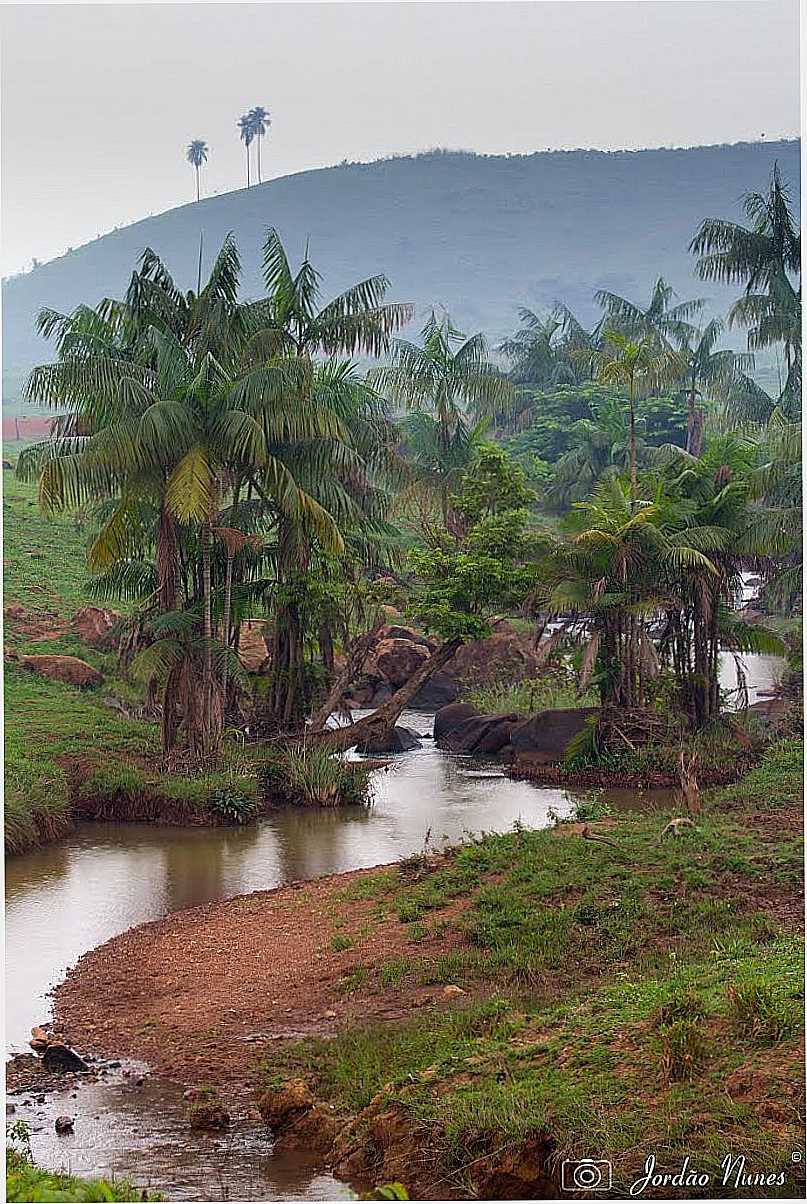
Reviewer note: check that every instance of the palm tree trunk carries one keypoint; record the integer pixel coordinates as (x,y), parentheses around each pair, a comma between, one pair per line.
(632,445)
(259,157)
(197,183)
(225,619)
(207,632)
(166,560)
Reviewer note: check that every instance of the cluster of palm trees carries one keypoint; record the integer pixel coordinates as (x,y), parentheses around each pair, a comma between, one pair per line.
(242,463)
(235,454)
(252,127)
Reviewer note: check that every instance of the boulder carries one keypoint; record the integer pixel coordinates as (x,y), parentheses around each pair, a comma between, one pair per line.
(95,625)
(281,1104)
(69,669)
(437,692)
(504,654)
(449,718)
(397,659)
(61,1058)
(543,737)
(252,649)
(484,735)
(395,631)
(399,739)
(208,1114)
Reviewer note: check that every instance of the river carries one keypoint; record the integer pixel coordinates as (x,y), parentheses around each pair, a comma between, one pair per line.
(71,896)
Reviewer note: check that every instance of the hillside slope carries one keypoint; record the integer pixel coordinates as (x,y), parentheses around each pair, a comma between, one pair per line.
(479,235)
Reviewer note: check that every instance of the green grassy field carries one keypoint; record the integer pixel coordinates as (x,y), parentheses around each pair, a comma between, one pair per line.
(625,999)
(44,558)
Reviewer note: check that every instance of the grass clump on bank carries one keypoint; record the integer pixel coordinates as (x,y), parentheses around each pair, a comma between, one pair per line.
(310,775)
(68,756)
(642,996)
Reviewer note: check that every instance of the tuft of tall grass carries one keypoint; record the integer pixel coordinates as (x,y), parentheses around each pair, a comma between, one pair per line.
(309,774)
(545,693)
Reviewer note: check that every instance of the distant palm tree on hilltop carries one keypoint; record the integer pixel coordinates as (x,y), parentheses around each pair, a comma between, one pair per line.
(197,155)
(247,133)
(261,121)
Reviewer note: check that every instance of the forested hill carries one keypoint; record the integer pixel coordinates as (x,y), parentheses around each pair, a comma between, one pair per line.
(478,235)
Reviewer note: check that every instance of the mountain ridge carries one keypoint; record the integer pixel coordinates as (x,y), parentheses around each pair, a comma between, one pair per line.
(480,235)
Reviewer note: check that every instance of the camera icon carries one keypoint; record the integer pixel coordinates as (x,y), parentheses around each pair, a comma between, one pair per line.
(586,1174)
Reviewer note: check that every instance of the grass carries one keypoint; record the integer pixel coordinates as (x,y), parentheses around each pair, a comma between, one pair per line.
(621,1001)
(25,1181)
(66,752)
(526,697)
(310,775)
(45,567)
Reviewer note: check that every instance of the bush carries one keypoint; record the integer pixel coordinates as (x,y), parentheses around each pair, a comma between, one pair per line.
(233,807)
(546,693)
(24,1181)
(311,775)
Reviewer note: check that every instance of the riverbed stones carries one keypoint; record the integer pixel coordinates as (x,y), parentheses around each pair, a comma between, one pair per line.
(400,739)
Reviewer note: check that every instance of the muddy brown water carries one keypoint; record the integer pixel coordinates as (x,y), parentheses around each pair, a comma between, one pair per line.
(71,896)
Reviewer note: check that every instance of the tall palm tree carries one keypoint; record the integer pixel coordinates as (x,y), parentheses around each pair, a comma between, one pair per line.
(163,418)
(660,320)
(261,121)
(765,256)
(196,155)
(246,133)
(639,366)
(717,372)
(449,376)
(293,331)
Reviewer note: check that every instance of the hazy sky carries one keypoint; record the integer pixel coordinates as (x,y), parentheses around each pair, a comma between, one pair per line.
(100,101)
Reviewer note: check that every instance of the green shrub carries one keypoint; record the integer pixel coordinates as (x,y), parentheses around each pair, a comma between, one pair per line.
(24,1182)
(546,693)
(309,774)
(232,806)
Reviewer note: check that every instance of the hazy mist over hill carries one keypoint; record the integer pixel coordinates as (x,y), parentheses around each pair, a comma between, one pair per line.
(479,235)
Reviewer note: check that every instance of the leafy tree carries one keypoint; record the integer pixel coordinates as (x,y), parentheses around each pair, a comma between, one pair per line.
(196,155)
(765,256)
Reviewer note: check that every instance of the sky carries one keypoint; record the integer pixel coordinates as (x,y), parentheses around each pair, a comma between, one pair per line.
(100,101)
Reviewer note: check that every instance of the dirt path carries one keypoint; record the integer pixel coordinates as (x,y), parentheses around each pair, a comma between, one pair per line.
(200,995)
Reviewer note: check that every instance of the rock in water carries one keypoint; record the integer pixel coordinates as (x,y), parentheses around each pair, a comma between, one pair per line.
(400,739)
(208,1114)
(61,1058)
(64,1124)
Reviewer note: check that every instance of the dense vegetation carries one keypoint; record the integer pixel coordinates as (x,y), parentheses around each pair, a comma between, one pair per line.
(241,463)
